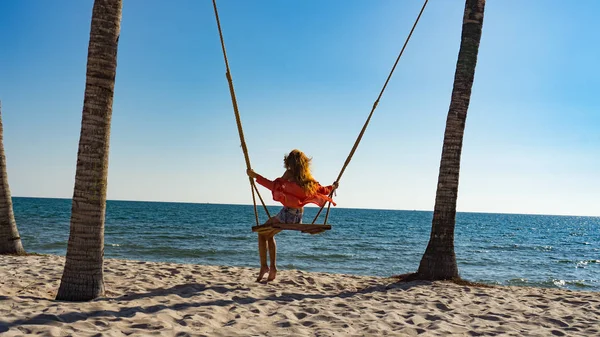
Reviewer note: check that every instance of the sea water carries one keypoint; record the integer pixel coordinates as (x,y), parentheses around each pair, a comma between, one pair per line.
(505,249)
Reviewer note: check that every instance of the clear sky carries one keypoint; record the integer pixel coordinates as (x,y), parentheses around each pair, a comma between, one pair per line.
(306,74)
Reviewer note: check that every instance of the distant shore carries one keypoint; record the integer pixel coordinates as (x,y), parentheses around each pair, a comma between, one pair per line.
(170,299)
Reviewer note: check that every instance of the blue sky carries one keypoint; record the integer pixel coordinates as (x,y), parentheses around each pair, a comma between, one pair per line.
(306,74)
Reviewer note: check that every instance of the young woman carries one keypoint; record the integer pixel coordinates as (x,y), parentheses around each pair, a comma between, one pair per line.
(294,190)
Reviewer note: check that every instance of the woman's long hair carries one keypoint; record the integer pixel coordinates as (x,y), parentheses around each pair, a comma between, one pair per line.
(299,165)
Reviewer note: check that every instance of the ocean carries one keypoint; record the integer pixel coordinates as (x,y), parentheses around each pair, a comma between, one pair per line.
(503,249)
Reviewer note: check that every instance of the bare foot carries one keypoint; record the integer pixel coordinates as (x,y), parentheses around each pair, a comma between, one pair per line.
(272,274)
(262,272)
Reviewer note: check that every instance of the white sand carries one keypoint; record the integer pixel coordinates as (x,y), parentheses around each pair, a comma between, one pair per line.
(190,300)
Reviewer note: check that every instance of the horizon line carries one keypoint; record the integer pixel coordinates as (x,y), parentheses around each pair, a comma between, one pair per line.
(277,205)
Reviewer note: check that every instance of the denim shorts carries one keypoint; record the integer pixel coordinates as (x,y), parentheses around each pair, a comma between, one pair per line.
(290,215)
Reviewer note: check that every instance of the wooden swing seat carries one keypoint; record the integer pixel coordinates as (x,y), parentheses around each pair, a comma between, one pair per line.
(304,228)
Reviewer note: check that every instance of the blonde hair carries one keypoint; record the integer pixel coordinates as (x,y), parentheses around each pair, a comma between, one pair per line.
(298,164)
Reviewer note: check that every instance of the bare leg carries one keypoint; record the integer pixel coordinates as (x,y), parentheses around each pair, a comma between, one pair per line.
(262,249)
(273,256)
(262,252)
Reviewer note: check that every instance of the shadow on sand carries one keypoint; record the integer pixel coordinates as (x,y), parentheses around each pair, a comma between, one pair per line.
(184,291)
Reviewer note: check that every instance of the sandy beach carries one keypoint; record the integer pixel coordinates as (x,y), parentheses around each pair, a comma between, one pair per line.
(144,298)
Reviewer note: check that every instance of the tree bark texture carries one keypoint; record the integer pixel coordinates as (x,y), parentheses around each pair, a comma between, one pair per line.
(439,260)
(10,241)
(82,277)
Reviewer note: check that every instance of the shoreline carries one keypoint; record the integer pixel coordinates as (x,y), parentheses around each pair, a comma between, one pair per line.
(392,277)
(168,299)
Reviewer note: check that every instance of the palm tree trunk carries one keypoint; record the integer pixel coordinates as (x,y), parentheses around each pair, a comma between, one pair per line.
(439,260)
(82,277)
(10,242)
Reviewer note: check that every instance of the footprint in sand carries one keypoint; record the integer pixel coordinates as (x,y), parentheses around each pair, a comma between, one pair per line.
(415,320)
(442,307)
(147,326)
(101,323)
(557,322)
(311,310)
(283,324)
(489,317)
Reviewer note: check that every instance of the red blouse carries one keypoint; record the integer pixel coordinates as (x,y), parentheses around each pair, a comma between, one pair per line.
(292,195)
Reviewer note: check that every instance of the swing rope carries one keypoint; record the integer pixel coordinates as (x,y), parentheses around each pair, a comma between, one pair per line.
(238,121)
(360,135)
(358,139)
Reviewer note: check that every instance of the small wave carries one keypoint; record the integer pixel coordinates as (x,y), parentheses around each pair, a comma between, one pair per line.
(565,261)
(113,244)
(325,256)
(118,218)
(238,238)
(520,247)
(51,245)
(487,281)
(177,236)
(580,284)
(186,253)
(552,283)
(579,262)
(584,263)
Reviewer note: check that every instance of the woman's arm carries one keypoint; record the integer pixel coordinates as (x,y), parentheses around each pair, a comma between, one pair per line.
(260,179)
(328,189)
